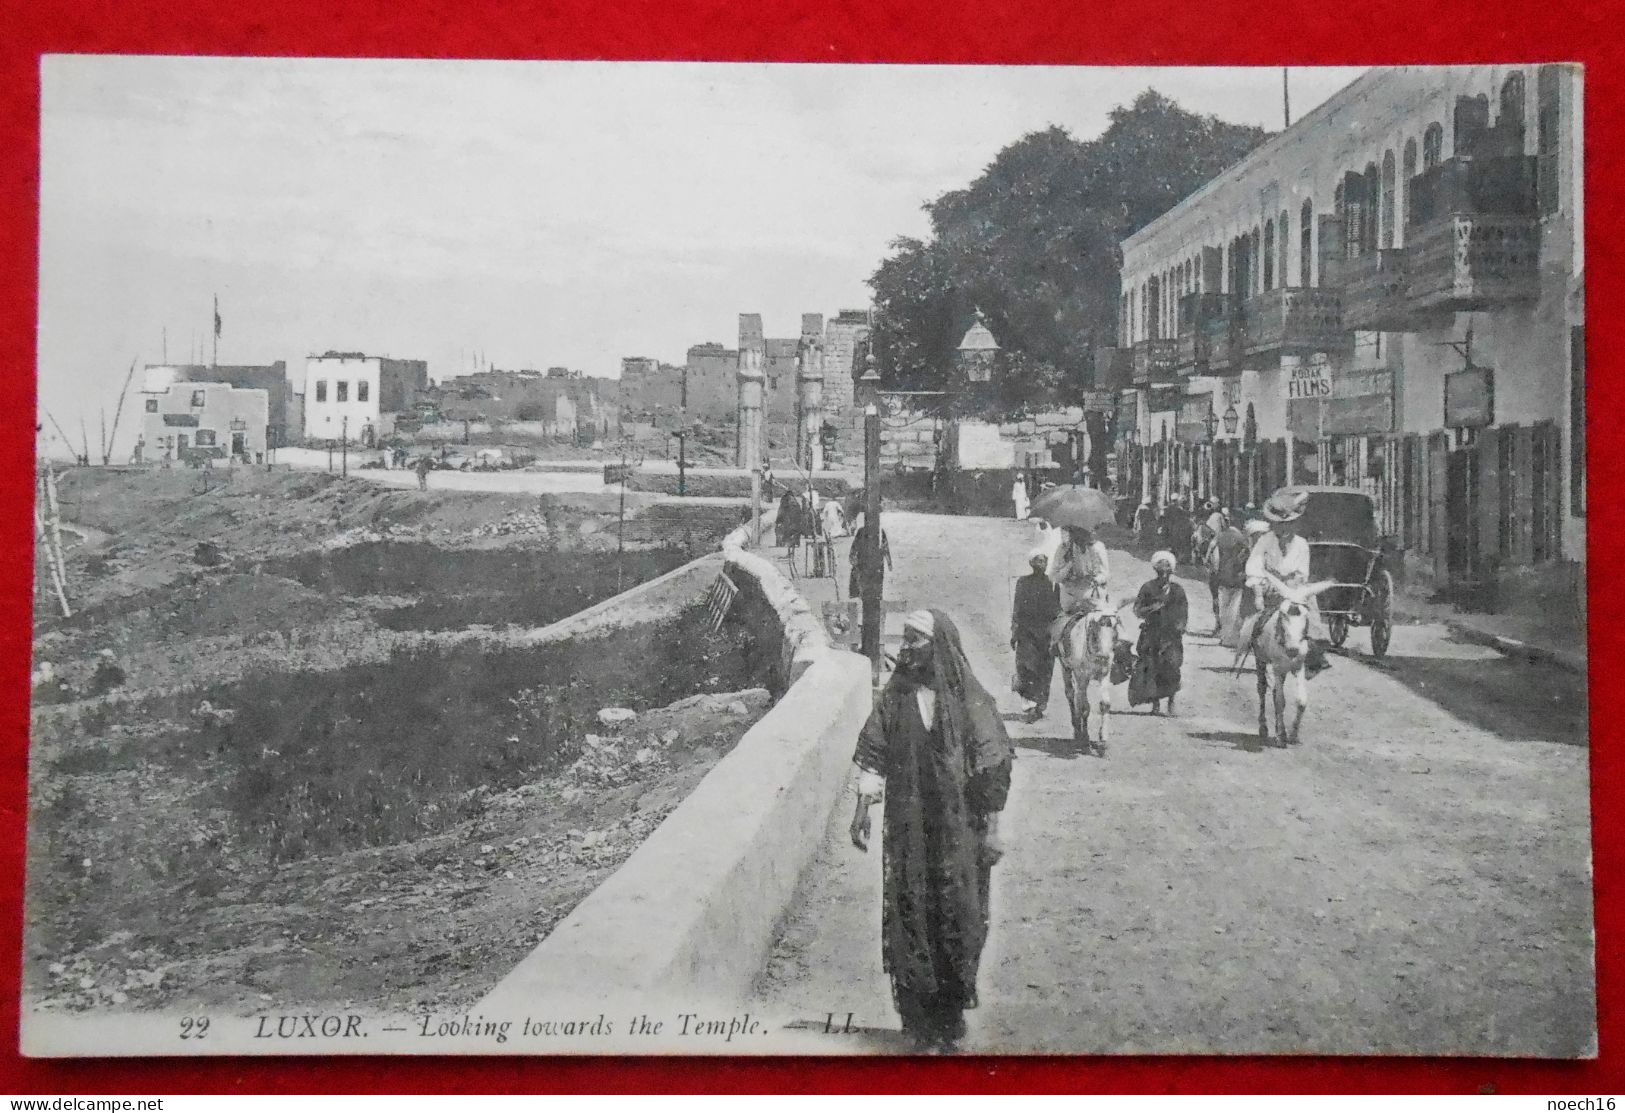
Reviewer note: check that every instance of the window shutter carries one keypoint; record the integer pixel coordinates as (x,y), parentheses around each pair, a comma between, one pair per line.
(1523,499)
(1438,518)
(1488,522)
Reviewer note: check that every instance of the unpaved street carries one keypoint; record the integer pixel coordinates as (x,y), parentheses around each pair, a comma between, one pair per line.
(1413,878)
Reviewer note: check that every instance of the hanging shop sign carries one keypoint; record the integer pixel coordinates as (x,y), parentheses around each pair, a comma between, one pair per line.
(1194,414)
(1469,398)
(1128,411)
(1309,380)
(1099,402)
(1164,399)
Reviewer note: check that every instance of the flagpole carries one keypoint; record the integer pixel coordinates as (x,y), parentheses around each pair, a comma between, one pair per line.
(1286,99)
(215,359)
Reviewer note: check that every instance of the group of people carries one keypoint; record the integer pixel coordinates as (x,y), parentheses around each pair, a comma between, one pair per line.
(809,515)
(1054,595)
(935,752)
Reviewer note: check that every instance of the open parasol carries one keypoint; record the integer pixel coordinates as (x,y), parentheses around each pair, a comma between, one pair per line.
(1082,507)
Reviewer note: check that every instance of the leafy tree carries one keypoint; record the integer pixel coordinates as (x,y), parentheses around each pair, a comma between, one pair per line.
(1033,245)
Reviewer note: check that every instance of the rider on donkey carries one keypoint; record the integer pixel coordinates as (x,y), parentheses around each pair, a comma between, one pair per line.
(1080,571)
(1283,554)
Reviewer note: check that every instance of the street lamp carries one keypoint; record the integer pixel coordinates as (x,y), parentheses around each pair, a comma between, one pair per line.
(1211,424)
(1231,421)
(869,381)
(977,351)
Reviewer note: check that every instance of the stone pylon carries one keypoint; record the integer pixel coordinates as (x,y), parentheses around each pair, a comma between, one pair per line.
(752,352)
(810,393)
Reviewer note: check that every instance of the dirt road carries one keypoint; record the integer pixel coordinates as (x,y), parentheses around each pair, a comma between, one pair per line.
(1413,878)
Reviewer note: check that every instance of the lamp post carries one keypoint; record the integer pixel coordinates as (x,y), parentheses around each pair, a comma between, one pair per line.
(975,357)
(871,583)
(344,450)
(1231,455)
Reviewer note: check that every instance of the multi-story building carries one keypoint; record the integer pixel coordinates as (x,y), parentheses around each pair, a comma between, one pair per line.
(286,417)
(191,421)
(358,397)
(1386,295)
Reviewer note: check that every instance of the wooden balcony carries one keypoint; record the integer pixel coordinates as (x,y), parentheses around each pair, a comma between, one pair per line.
(1375,292)
(1154,361)
(1225,340)
(1114,368)
(1470,261)
(1295,321)
(1201,317)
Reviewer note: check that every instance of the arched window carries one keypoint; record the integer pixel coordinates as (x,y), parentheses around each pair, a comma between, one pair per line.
(1306,244)
(1410,172)
(1432,146)
(1388,199)
(1269,255)
(1284,244)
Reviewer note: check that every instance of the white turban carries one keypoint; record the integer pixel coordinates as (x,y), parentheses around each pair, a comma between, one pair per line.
(1256,526)
(1163,556)
(1037,555)
(922,622)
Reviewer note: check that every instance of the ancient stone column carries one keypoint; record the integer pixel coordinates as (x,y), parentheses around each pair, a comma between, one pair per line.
(752,350)
(810,393)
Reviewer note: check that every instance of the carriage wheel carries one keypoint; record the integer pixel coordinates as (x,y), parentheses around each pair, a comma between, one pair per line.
(1382,613)
(1338,627)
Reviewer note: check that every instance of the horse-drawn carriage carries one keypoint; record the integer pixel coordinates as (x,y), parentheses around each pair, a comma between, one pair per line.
(1340,525)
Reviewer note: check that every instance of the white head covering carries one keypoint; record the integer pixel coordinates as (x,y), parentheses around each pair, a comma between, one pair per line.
(1038,554)
(922,622)
(1163,556)
(1256,526)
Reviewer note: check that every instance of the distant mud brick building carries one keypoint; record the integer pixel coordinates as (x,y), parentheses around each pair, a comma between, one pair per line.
(709,376)
(559,403)
(349,395)
(1388,295)
(844,333)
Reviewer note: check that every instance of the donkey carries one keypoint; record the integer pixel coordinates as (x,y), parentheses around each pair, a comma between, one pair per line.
(1281,651)
(1087,646)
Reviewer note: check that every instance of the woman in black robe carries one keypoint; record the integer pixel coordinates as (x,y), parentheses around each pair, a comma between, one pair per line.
(788,527)
(937,750)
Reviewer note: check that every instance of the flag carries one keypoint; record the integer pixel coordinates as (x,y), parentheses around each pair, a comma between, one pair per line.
(217,316)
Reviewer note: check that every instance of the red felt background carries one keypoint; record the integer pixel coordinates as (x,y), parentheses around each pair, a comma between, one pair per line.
(1139,32)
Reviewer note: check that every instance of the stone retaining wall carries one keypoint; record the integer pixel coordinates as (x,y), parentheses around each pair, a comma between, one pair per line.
(690,916)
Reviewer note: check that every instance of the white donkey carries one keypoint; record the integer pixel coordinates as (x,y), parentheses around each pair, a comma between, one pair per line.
(1281,651)
(1086,652)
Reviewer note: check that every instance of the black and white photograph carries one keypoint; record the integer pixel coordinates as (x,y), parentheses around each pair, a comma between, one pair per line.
(737,559)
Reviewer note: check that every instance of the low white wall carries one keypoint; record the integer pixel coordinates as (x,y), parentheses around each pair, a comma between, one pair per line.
(690,916)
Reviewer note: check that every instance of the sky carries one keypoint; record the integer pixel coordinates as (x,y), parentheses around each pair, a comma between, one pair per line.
(525,214)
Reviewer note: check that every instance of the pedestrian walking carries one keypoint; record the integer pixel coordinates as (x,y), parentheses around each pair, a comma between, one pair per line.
(1019,496)
(788,526)
(834,519)
(1163,612)
(1145,521)
(858,560)
(423,467)
(1037,605)
(1229,565)
(935,750)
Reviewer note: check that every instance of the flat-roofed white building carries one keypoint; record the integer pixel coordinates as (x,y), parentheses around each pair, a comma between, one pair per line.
(358,397)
